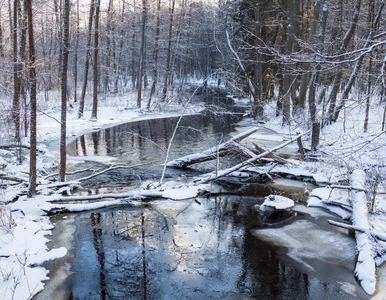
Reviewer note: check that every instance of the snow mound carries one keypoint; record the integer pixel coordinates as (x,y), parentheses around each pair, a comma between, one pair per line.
(277,202)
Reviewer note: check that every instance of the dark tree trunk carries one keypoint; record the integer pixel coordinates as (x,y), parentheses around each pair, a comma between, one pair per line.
(155,66)
(16,74)
(32,75)
(142,53)
(94,113)
(64,68)
(87,61)
(169,53)
(76,54)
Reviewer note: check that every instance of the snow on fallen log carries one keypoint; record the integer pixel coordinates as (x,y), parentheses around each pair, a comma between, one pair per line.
(213,176)
(378,236)
(127,195)
(365,267)
(212,153)
(277,202)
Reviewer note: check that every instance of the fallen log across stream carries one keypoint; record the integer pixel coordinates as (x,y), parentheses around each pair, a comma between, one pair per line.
(212,153)
(369,252)
(216,175)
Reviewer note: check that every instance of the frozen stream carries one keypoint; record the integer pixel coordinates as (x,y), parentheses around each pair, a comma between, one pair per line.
(205,248)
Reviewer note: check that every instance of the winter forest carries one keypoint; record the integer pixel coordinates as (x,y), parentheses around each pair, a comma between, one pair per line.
(192,149)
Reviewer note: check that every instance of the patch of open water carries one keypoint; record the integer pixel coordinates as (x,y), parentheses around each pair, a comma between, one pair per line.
(204,248)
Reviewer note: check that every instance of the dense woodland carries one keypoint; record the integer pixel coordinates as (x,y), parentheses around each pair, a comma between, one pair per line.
(313,57)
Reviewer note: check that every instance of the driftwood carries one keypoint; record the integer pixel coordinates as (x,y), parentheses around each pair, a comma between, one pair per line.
(212,153)
(213,176)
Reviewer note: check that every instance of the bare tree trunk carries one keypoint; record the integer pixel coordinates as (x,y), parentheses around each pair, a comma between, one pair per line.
(87,62)
(287,76)
(374,20)
(96,64)
(258,108)
(156,46)
(64,68)
(76,54)
(32,75)
(169,53)
(22,60)
(142,54)
(16,78)
(314,79)
(1,37)
(108,50)
(338,76)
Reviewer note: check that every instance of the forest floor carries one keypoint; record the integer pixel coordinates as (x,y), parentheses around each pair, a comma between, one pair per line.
(24,225)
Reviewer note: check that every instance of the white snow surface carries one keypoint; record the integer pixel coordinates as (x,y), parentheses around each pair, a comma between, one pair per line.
(23,246)
(277,202)
(343,146)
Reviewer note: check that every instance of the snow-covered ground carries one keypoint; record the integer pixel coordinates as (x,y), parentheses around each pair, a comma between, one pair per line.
(23,224)
(23,231)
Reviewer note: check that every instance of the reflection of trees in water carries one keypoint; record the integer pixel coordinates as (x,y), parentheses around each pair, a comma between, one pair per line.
(98,245)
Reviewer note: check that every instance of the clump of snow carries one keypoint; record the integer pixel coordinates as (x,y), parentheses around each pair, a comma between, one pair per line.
(277,202)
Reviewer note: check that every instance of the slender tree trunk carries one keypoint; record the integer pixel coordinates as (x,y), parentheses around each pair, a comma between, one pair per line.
(338,76)
(76,54)
(258,108)
(368,96)
(96,63)
(32,75)
(64,68)
(22,60)
(143,53)
(133,77)
(16,74)
(169,52)
(1,37)
(287,76)
(373,23)
(87,61)
(315,76)
(156,46)
(108,50)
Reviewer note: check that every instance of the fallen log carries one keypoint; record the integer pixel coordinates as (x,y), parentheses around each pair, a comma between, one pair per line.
(12,178)
(213,176)
(212,153)
(346,187)
(132,195)
(365,267)
(380,237)
(272,156)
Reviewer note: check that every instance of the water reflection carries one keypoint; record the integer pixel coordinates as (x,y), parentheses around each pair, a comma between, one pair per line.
(191,250)
(146,141)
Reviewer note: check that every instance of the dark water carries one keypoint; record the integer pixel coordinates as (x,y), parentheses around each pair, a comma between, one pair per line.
(145,142)
(195,249)
(200,249)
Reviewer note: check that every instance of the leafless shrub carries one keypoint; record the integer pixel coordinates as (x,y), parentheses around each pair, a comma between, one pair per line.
(6,220)
(5,274)
(375,180)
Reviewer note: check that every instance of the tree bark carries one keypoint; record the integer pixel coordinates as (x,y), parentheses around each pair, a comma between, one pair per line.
(156,46)
(94,113)
(169,52)
(64,70)
(87,60)
(32,75)
(141,65)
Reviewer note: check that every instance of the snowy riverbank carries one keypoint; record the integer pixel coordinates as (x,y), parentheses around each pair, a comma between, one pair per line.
(23,238)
